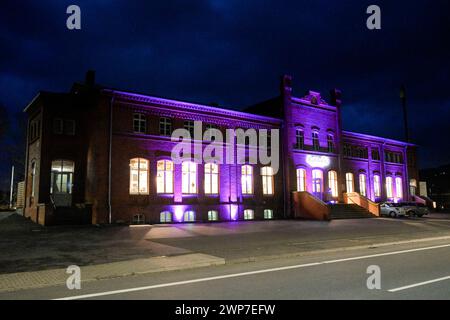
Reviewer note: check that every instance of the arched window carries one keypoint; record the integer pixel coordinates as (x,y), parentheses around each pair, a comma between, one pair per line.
(247,179)
(317,179)
(330,143)
(189,177)
(213,215)
(211,178)
(315,140)
(362,185)
(349,184)
(333,183)
(268,214)
(249,214)
(164,176)
(138,176)
(377,185)
(299,139)
(189,216)
(165,217)
(398,187)
(267,180)
(301,179)
(389,186)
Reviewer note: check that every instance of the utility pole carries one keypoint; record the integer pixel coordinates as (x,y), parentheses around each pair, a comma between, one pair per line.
(11,188)
(405,112)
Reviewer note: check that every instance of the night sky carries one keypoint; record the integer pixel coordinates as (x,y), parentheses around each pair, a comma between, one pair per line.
(232,52)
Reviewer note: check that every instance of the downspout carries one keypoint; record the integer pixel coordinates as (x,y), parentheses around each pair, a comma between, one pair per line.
(110,158)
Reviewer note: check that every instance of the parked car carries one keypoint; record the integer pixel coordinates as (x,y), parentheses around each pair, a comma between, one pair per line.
(415,209)
(392,210)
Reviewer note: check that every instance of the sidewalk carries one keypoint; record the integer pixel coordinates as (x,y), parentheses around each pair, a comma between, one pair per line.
(36,279)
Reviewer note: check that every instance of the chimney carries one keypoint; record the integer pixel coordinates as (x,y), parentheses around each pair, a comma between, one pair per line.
(90,78)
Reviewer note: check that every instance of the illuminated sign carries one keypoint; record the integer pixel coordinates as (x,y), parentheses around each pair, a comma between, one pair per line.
(318,161)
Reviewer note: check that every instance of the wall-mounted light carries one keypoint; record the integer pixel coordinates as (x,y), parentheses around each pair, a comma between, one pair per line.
(317,161)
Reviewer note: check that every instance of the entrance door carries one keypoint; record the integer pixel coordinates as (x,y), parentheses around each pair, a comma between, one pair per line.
(317,183)
(62,182)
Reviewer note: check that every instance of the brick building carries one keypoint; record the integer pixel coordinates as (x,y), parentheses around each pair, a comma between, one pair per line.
(99,155)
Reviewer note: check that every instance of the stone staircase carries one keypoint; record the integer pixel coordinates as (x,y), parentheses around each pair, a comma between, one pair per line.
(348,211)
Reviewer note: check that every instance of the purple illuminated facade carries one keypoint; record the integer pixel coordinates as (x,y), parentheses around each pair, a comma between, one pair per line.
(120,136)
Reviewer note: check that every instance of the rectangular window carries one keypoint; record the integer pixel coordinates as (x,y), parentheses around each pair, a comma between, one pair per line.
(58,126)
(189,126)
(189,216)
(210,132)
(299,139)
(165,126)
(315,140)
(247,179)
(377,186)
(139,123)
(189,177)
(333,183)
(33,177)
(165,217)
(164,176)
(211,178)
(268,214)
(213,215)
(249,214)
(375,155)
(139,176)
(267,180)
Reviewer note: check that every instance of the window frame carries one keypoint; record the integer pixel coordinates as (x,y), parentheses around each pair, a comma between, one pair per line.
(247,180)
(167,177)
(268,181)
(191,175)
(139,120)
(212,176)
(139,171)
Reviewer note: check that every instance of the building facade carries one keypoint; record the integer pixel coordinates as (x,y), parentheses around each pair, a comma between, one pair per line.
(104,156)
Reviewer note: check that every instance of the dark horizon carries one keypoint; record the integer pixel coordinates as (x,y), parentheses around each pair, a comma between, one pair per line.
(233,54)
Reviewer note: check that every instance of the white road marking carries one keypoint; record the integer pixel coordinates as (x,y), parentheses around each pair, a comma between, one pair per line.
(242,274)
(419,284)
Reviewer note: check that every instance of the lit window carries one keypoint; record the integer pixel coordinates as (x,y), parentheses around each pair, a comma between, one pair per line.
(349,182)
(165,216)
(389,193)
(301,180)
(398,187)
(139,176)
(249,214)
(138,219)
(247,179)
(299,139)
(330,143)
(333,183)
(362,184)
(413,186)
(189,177)
(376,185)
(164,176)
(62,177)
(165,126)
(315,140)
(213,215)
(189,216)
(33,178)
(189,126)
(317,177)
(268,214)
(211,178)
(139,123)
(267,180)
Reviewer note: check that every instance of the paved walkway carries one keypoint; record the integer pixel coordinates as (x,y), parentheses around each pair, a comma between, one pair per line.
(36,279)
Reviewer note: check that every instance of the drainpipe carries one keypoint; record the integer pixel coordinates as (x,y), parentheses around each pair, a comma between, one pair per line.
(109,158)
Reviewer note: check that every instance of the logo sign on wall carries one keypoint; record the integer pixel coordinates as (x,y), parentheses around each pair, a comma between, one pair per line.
(318,161)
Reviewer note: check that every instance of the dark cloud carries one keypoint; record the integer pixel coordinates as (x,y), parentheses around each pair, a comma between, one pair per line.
(233,52)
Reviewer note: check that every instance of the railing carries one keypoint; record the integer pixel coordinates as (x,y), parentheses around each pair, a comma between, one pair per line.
(309,207)
(356,198)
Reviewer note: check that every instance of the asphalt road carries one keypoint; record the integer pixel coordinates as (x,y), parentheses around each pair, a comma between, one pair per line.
(408,271)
